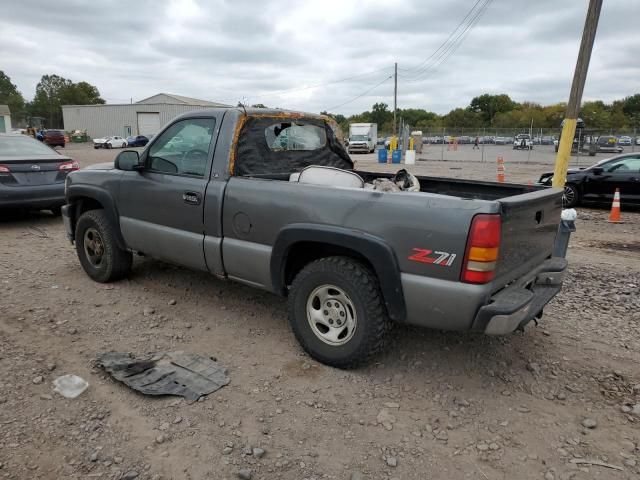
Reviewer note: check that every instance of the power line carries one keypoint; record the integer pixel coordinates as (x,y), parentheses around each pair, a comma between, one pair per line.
(452,44)
(443,43)
(359,96)
(331,82)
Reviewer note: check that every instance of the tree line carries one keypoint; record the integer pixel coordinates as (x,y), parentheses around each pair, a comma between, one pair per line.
(500,111)
(52,92)
(484,111)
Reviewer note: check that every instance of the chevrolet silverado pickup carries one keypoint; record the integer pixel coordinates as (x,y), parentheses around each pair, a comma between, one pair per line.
(271,199)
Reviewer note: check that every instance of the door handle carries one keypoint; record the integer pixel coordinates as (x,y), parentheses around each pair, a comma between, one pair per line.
(192,198)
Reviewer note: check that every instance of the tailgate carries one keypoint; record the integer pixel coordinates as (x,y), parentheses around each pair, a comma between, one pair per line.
(529,225)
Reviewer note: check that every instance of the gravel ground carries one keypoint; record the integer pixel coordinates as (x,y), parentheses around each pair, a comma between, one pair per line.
(558,401)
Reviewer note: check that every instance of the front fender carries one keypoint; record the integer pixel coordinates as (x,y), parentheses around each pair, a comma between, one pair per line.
(79,195)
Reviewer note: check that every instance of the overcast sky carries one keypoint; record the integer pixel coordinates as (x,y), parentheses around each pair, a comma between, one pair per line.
(246,50)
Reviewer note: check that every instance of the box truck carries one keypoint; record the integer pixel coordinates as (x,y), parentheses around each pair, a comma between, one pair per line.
(363,137)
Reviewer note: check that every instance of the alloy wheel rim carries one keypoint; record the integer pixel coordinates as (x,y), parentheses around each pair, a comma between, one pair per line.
(569,196)
(331,315)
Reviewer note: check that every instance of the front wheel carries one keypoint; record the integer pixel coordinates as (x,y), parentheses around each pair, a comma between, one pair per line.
(97,249)
(571,196)
(336,312)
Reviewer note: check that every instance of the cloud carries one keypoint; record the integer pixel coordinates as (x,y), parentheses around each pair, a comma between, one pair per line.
(230,50)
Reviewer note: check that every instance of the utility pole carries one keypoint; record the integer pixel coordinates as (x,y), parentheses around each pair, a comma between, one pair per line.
(575,97)
(395,97)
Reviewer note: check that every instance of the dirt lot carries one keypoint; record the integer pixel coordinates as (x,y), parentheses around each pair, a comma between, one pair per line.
(553,402)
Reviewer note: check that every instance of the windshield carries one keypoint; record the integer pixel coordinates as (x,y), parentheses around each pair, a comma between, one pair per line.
(359,138)
(21,145)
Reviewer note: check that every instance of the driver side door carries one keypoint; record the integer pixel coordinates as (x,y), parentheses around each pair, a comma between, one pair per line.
(161,206)
(622,173)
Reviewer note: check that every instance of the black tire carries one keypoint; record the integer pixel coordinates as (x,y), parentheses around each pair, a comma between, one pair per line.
(571,196)
(361,287)
(114,263)
(108,145)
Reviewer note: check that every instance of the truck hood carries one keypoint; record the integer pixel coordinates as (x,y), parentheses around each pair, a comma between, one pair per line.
(101,166)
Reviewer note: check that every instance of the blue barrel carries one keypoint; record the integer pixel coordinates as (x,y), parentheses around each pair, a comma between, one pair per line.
(382,155)
(396,156)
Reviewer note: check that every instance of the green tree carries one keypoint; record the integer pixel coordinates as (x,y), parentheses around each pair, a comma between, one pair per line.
(380,114)
(9,95)
(631,105)
(460,118)
(488,106)
(54,91)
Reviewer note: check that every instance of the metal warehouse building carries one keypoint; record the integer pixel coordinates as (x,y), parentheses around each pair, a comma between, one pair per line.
(145,117)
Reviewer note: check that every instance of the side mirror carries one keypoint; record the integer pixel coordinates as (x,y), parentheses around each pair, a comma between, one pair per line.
(597,170)
(128,160)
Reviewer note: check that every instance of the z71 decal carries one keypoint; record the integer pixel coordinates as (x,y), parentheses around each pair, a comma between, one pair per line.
(423,255)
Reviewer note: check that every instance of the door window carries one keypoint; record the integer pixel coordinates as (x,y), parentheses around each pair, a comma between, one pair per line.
(624,165)
(183,149)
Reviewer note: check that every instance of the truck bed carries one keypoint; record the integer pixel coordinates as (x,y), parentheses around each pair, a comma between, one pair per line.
(471,189)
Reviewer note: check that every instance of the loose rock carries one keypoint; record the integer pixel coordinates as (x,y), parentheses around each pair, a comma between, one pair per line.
(589,423)
(244,474)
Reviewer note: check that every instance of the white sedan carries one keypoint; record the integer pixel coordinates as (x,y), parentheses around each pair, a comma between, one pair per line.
(110,142)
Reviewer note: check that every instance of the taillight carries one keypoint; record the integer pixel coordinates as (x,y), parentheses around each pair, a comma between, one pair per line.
(483,246)
(69,166)
(4,169)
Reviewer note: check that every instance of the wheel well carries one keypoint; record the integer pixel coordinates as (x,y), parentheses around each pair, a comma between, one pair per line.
(85,204)
(303,253)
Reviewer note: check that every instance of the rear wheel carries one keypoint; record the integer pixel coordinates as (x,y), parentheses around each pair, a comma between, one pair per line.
(99,254)
(108,145)
(336,312)
(571,196)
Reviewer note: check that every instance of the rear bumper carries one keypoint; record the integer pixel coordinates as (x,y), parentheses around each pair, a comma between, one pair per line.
(37,196)
(523,300)
(453,305)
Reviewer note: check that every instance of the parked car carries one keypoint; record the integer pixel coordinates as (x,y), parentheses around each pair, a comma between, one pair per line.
(547,140)
(624,140)
(608,144)
(598,182)
(137,141)
(522,142)
(109,142)
(348,270)
(53,138)
(32,174)
(500,140)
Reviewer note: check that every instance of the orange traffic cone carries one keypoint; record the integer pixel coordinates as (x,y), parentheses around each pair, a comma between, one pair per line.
(614,216)
(500,170)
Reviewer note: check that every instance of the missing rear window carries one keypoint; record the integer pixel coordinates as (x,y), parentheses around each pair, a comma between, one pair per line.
(292,136)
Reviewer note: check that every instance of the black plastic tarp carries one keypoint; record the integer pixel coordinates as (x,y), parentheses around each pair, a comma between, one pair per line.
(256,157)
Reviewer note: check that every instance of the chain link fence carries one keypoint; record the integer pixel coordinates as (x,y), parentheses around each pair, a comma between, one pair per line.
(517,145)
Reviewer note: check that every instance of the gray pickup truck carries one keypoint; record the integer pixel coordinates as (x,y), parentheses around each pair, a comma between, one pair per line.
(271,199)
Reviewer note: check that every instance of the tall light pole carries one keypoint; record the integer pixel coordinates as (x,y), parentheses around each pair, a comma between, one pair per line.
(575,97)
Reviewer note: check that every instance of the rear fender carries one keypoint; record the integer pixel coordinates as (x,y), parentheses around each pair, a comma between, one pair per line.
(375,250)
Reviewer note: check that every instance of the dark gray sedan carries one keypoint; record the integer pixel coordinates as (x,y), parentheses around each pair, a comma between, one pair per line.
(32,175)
